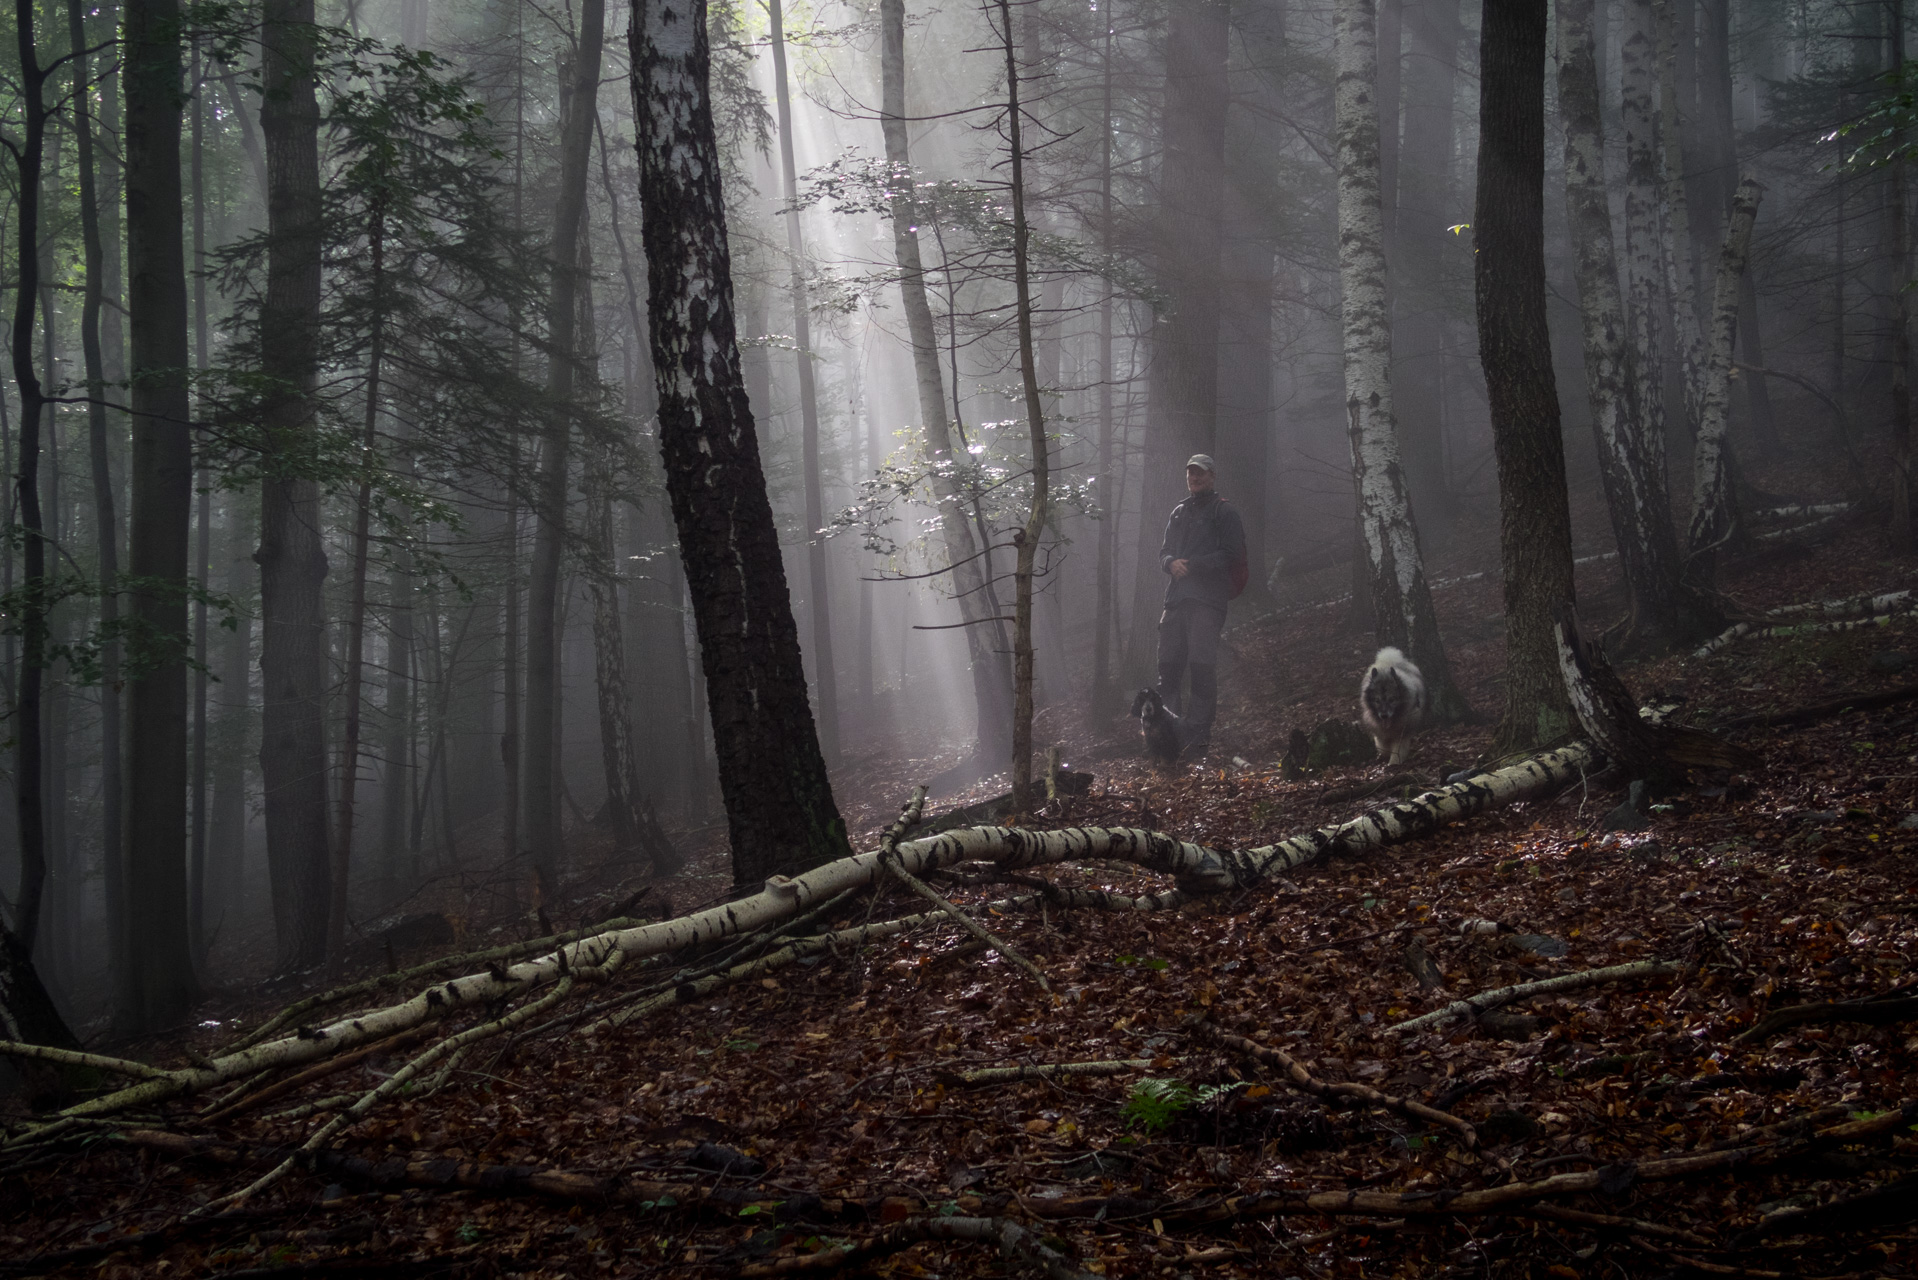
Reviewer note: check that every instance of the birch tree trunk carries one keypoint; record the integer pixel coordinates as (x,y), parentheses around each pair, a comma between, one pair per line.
(985,638)
(292,556)
(160,516)
(1714,503)
(539,798)
(1663,611)
(1401,596)
(820,586)
(779,804)
(1508,227)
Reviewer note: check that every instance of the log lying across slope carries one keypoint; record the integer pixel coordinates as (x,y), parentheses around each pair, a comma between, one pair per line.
(1195,869)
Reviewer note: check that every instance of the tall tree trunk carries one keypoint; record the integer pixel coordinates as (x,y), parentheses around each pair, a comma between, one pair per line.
(1400,595)
(636,827)
(1028,541)
(538,789)
(29,735)
(985,639)
(292,555)
(343,819)
(1663,610)
(817,580)
(159,520)
(227,813)
(1644,275)
(779,802)
(105,510)
(396,739)
(1423,286)
(1104,694)
(1508,226)
(1898,216)
(1681,280)
(1714,503)
(203,535)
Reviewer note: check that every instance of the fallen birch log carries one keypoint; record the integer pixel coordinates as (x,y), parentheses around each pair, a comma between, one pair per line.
(1751,631)
(1803,511)
(1472,1006)
(1855,607)
(1195,869)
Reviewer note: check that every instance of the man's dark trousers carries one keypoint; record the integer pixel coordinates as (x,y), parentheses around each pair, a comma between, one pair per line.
(1189,642)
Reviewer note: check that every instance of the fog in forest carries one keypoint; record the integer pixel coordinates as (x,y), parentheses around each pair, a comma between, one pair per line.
(435,638)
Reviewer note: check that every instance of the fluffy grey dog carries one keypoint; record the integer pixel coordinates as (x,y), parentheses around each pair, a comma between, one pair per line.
(1160,725)
(1392,704)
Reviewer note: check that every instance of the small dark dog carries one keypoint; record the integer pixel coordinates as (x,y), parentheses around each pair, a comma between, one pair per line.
(1392,704)
(1160,725)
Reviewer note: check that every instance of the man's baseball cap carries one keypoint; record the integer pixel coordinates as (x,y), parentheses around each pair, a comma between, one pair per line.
(1202,460)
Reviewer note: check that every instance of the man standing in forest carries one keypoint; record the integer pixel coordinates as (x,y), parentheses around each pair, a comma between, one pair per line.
(1204,554)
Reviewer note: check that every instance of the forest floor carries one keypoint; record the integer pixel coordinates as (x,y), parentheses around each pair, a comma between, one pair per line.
(759,1127)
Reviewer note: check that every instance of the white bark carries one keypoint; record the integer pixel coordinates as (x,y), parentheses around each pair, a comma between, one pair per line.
(1889,602)
(1633,472)
(1714,516)
(1401,596)
(1475,1005)
(1197,869)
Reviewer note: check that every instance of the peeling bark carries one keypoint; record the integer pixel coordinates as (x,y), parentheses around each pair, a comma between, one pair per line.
(1663,610)
(779,803)
(1714,502)
(1400,595)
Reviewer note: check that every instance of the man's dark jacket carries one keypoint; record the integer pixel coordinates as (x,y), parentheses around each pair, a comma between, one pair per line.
(1205,531)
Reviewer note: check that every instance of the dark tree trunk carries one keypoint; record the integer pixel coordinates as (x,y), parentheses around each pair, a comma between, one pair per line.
(227,811)
(292,557)
(29,738)
(160,519)
(1508,226)
(105,513)
(1423,292)
(539,791)
(779,802)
